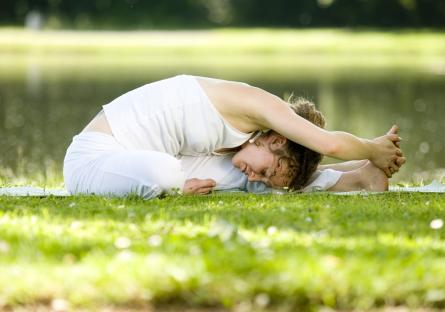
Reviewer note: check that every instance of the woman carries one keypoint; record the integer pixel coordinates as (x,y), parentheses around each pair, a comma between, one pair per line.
(132,144)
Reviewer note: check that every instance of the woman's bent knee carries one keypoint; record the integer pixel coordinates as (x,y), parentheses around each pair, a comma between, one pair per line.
(164,170)
(149,168)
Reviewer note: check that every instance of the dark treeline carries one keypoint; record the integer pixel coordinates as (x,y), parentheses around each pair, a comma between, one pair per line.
(138,14)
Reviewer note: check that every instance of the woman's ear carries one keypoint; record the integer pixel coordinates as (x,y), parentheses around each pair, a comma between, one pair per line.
(276,142)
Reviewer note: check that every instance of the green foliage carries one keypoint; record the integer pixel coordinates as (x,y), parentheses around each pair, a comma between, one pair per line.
(237,251)
(106,14)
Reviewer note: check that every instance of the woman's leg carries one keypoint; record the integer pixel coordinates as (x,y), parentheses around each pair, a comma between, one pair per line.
(345,166)
(348,176)
(367,177)
(96,164)
(143,173)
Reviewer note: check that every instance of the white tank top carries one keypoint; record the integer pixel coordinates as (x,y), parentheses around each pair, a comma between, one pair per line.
(174,116)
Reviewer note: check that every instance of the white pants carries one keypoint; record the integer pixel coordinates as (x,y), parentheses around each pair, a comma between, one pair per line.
(95,163)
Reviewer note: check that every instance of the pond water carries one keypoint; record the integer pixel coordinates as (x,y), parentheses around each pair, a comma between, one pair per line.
(42,105)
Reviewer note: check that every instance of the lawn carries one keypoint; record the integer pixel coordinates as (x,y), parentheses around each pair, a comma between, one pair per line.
(224,251)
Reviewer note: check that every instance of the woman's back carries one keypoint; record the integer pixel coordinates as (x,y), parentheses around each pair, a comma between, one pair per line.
(174,116)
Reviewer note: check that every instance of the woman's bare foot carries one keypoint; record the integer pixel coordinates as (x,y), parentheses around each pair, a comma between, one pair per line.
(366,178)
(372,178)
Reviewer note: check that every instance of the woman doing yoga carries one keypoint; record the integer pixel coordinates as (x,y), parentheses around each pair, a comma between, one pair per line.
(132,146)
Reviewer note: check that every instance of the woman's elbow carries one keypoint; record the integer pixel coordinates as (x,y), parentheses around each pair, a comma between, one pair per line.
(330,149)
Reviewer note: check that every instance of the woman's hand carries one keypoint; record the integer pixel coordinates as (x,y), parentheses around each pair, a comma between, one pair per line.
(386,153)
(198,186)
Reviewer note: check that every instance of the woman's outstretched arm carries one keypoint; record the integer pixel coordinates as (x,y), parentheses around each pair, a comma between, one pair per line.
(270,112)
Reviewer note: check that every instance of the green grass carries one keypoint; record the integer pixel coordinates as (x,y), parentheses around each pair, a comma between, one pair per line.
(233,251)
(222,48)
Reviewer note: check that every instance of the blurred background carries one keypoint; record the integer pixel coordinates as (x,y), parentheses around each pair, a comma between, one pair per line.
(367,64)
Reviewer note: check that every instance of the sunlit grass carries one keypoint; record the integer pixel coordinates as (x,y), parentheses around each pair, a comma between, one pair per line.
(232,251)
(228,47)
(225,40)
(50,177)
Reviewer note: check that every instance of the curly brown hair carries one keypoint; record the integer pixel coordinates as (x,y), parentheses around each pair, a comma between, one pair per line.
(301,161)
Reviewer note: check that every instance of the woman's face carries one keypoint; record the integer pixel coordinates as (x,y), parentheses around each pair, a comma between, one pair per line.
(260,164)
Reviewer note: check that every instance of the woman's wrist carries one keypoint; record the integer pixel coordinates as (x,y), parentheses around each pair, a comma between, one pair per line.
(369,149)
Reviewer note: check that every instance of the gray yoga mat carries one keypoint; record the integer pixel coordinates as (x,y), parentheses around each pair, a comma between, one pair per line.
(433,187)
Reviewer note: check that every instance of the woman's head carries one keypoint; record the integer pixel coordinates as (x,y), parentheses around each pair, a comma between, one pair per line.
(279,162)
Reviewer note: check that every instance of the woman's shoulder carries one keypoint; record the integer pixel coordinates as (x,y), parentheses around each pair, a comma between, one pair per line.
(232,100)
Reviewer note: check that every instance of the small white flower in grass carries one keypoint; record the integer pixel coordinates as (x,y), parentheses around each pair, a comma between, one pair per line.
(155,240)
(58,230)
(321,233)
(17,272)
(436,224)
(330,262)
(271,230)
(262,300)
(178,273)
(194,250)
(4,247)
(71,205)
(76,225)
(59,305)
(125,255)
(220,202)
(122,242)
(223,229)
(121,206)
(308,219)
(261,244)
